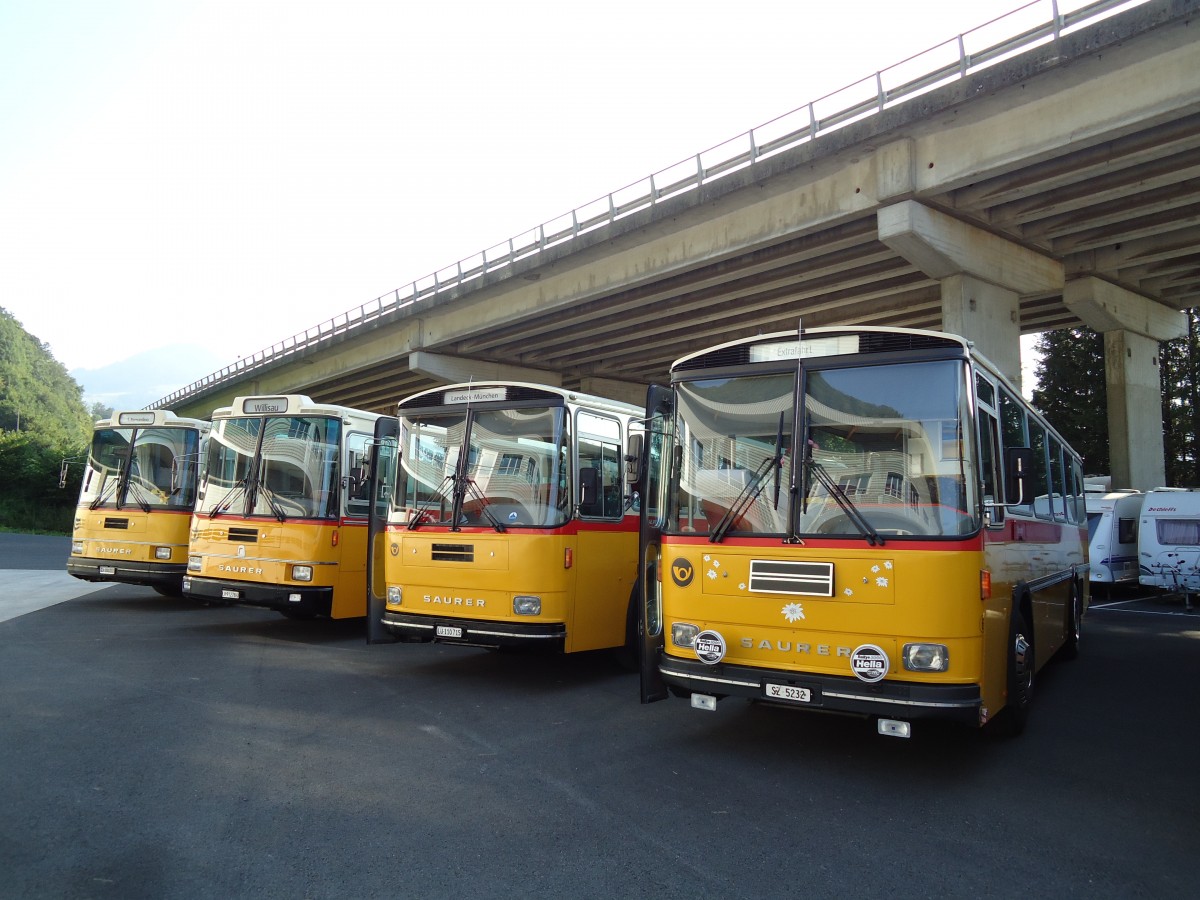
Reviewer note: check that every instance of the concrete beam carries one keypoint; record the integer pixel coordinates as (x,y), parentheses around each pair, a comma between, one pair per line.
(940,246)
(1104,307)
(456,369)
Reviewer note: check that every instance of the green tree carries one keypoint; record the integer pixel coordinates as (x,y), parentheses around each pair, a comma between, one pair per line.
(1073,394)
(100,411)
(42,423)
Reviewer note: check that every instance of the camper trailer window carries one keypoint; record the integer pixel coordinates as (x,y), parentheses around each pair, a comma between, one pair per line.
(1179,532)
(1127,531)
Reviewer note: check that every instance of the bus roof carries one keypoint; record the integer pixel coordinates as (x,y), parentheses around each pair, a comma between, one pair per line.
(466,393)
(287,404)
(149,418)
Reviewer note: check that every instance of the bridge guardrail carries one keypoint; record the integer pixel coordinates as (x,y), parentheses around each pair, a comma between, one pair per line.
(999,39)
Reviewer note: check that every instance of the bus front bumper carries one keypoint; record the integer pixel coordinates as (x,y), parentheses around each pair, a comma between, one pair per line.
(549,636)
(151,574)
(828,693)
(291,600)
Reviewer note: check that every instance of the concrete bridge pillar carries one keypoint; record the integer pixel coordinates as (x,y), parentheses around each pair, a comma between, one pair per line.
(982,276)
(1132,326)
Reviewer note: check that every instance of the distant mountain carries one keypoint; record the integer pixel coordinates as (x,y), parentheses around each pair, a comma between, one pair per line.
(148,376)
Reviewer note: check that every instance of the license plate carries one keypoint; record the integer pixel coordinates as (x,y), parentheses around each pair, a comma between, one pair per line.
(449,631)
(787,692)
(108,570)
(229,595)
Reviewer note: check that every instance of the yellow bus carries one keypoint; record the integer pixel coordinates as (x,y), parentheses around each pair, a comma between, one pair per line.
(509,524)
(136,498)
(281,515)
(859,520)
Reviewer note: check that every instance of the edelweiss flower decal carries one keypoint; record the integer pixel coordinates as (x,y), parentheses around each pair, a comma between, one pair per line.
(793,611)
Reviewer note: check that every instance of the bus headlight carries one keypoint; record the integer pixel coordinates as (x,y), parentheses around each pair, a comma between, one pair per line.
(194,564)
(926,657)
(77,548)
(683,634)
(527,606)
(162,552)
(301,573)
(395,595)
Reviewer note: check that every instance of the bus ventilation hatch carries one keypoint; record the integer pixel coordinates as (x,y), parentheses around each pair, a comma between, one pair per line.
(453,552)
(249,535)
(811,579)
(116,523)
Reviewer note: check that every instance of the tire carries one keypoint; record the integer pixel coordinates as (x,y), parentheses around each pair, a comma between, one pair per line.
(168,591)
(1070,648)
(1015,715)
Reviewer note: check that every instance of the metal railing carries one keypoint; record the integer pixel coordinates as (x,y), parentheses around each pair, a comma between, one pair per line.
(1002,38)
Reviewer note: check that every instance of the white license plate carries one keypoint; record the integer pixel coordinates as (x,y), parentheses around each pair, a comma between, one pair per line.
(450,631)
(229,595)
(787,692)
(108,570)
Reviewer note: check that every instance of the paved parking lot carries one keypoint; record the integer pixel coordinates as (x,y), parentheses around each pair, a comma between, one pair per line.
(160,748)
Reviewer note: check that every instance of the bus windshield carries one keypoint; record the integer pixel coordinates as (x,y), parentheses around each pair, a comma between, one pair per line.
(514,472)
(160,465)
(885,449)
(279,466)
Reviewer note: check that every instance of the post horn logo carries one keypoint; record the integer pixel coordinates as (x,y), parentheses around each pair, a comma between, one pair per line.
(682,572)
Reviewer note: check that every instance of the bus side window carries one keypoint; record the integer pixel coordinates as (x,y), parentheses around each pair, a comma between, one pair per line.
(601,472)
(989,466)
(356,485)
(1016,434)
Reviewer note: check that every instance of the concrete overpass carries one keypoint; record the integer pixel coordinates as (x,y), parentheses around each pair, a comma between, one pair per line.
(1042,172)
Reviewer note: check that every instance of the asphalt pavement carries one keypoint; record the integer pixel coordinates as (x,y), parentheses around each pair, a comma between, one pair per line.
(156,747)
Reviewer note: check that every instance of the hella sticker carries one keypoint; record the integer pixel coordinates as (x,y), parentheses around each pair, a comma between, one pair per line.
(710,647)
(869,663)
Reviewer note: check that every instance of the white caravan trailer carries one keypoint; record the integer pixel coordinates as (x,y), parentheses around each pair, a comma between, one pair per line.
(1113,536)
(1169,541)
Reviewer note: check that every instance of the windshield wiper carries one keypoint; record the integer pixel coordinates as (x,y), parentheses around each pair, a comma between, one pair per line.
(473,489)
(138,496)
(440,492)
(271,498)
(742,501)
(110,489)
(843,500)
(239,487)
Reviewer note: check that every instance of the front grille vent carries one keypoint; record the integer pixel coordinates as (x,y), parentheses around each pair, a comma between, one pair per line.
(116,523)
(809,579)
(249,535)
(454,552)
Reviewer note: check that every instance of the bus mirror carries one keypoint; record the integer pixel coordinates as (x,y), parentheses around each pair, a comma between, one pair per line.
(633,459)
(1018,470)
(62,474)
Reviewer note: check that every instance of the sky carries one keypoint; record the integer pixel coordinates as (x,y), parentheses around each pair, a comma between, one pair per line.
(228,173)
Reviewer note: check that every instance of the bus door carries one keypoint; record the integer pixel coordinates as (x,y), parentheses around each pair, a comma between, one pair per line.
(659,424)
(382,478)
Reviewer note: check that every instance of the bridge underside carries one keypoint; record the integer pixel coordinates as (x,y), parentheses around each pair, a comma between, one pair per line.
(1058,188)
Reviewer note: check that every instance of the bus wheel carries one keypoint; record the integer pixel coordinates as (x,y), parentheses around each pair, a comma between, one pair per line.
(627,654)
(168,591)
(1013,718)
(1070,648)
